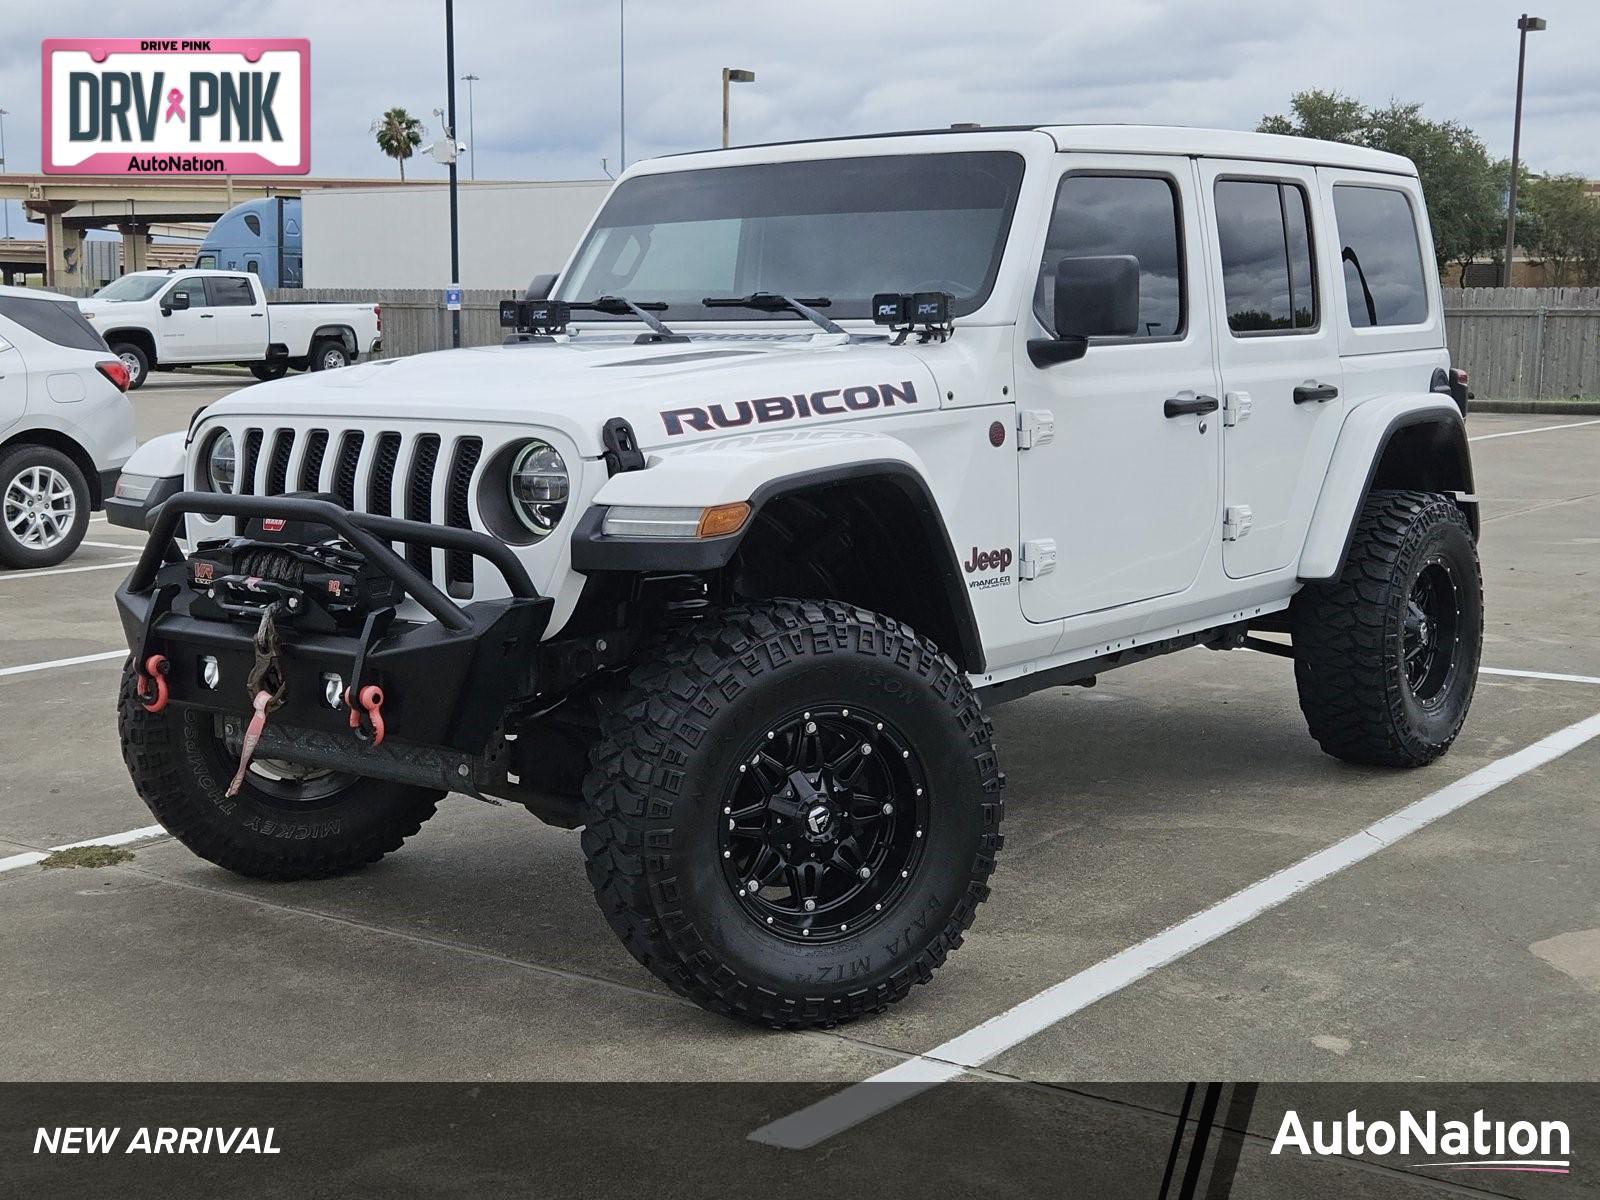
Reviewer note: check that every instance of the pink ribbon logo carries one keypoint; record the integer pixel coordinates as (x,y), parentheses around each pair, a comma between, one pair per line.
(175,105)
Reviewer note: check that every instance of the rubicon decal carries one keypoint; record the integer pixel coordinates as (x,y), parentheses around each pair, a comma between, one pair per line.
(136,106)
(1478,1144)
(831,402)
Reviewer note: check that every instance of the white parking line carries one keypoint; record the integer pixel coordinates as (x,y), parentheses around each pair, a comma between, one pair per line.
(1550,675)
(110,545)
(115,839)
(862,1101)
(1489,437)
(8,576)
(29,668)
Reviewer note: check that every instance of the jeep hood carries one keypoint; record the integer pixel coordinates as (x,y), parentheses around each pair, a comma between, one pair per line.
(671,393)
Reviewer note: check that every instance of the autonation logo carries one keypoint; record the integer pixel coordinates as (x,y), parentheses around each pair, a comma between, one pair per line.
(1476,1145)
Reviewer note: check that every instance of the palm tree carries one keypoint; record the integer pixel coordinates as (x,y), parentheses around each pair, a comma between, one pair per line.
(398,134)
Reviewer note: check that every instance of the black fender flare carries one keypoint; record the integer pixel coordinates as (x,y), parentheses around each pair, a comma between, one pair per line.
(593,552)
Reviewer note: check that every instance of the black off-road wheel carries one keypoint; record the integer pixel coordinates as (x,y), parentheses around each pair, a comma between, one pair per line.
(793,812)
(268,371)
(285,823)
(1386,656)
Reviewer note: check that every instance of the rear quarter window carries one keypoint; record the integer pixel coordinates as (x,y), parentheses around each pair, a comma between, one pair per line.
(57,321)
(1384,282)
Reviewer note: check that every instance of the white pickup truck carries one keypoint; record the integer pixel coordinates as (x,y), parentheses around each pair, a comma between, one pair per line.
(157,319)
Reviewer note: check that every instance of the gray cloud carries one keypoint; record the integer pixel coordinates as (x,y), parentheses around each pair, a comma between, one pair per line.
(547,103)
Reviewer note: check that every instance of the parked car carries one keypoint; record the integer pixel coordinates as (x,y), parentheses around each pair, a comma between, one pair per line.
(157,319)
(66,426)
(811,455)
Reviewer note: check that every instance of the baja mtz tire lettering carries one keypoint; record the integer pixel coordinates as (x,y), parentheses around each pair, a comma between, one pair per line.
(830,402)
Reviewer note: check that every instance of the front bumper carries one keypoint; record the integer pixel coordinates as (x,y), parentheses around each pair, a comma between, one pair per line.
(447,682)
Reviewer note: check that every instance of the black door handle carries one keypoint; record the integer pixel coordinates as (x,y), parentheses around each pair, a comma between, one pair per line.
(207,316)
(1183,407)
(1319,392)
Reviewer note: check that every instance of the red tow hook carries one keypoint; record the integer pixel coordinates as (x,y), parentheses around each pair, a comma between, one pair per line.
(371,707)
(154,674)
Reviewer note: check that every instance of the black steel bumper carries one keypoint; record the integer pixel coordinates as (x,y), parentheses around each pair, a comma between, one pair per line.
(446,682)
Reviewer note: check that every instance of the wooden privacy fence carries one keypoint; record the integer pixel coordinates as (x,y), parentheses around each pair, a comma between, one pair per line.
(1518,343)
(1526,343)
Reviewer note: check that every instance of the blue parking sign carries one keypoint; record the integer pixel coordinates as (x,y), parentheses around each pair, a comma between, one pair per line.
(452,297)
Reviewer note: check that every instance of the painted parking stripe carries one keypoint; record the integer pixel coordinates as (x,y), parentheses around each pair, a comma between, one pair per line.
(1489,437)
(29,668)
(111,545)
(8,576)
(862,1101)
(114,839)
(1553,676)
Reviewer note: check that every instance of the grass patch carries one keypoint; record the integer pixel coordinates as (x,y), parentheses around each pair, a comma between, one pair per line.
(88,856)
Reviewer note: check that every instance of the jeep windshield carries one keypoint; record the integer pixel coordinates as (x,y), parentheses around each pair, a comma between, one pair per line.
(841,228)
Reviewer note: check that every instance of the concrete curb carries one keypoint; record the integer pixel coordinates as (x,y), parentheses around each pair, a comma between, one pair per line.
(1559,408)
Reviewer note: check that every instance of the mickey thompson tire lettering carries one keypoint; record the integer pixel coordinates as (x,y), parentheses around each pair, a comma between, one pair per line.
(671,744)
(1351,635)
(181,771)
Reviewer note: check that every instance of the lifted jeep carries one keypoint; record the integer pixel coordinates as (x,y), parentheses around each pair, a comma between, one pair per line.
(811,452)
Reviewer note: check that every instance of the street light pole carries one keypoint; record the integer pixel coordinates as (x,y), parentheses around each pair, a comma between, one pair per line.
(622,86)
(731,75)
(455,226)
(5,204)
(1525,25)
(472,125)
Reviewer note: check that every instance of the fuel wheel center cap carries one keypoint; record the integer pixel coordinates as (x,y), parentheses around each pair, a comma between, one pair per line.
(823,823)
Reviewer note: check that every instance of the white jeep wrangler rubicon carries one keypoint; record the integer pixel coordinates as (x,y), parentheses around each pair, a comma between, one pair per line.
(811,452)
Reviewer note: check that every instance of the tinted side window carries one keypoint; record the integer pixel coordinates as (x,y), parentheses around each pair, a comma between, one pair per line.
(226,292)
(1383,279)
(194,287)
(57,321)
(1264,236)
(253,223)
(1098,215)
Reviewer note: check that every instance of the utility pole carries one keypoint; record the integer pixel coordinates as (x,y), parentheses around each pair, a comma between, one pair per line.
(5,204)
(455,226)
(1525,25)
(472,125)
(622,85)
(731,75)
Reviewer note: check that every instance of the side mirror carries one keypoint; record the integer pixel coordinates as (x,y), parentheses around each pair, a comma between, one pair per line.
(540,288)
(178,300)
(1093,297)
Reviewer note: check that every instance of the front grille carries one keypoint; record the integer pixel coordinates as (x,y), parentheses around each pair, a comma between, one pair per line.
(247,469)
(278,467)
(372,466)
(458,563)
(419,496)
(380,488)
(344,472)
(311,464)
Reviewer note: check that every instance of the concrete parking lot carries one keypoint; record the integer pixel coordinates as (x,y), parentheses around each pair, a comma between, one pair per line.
(1468,950)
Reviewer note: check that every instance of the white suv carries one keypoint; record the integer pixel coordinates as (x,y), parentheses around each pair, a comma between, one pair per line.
(811,453)
(66,426)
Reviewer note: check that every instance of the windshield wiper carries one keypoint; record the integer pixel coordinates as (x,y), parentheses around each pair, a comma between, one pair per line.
(621,306)
(773,302)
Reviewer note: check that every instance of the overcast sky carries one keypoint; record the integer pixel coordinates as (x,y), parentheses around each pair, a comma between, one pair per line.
(547,106)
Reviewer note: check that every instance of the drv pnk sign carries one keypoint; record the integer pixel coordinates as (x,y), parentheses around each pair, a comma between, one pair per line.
(149,106)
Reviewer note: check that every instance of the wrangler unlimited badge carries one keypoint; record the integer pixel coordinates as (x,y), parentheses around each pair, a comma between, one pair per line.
(833,402)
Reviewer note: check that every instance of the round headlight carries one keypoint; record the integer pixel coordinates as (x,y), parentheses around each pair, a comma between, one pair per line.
(539,487)
(222,464)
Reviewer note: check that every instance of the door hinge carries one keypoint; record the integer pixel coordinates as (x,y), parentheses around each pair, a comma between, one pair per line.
(1236,407)
(1236,522)
(1035,427)
(1038,558)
